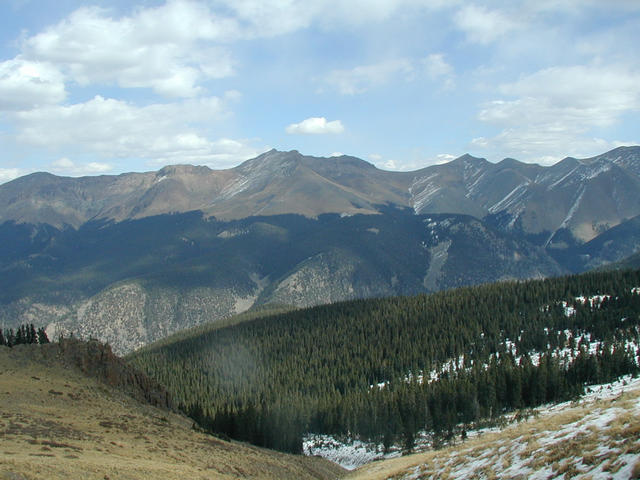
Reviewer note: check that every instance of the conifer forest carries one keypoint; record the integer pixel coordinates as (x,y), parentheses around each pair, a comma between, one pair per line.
(384,369)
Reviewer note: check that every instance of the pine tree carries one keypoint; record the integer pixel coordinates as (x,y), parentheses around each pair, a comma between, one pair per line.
(42,336)
(20,336)
(31,334)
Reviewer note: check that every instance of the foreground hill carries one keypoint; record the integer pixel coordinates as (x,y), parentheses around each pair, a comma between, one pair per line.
(595,437)
(58,423)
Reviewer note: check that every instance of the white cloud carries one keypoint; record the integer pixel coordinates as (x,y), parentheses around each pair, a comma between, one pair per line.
(114,126)
(443,158)
(482,25)
(217,154)
(315,126)
(590,95)
(555,109)
(574,6)
(166,133)
(438,69)
(365,77)
(276,17)
(65,166)
(25,84)
(175,47)
(162,48)
(7,174)
(390,165)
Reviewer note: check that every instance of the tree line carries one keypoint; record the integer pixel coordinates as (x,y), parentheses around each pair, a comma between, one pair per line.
(514,345)
(24,334)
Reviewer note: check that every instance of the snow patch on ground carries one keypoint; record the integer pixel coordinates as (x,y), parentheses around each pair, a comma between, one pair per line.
(349,454)
(518,455)
(352,454)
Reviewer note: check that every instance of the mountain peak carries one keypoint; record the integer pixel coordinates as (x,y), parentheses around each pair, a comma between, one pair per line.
(179,169)
(339,163)
(273,159)
(511,163)
(468,159)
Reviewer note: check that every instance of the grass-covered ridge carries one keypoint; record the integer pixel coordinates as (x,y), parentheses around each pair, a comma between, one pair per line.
(269,379)
(69,411)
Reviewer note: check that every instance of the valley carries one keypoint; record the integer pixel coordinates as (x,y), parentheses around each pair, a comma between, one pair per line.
(436,382)
(328,240)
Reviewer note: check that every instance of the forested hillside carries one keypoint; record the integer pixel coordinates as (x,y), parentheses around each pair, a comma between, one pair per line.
(385,369)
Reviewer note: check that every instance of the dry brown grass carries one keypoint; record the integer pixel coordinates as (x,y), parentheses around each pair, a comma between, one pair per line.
(60,425)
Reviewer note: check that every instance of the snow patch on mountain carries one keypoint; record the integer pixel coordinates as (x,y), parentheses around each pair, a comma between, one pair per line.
(510,199)
(423,190)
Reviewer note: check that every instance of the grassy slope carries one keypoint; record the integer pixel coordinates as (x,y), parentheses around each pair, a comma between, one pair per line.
(56,423)
(597,437)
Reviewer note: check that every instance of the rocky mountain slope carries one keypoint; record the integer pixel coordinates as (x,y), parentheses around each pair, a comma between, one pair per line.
(273,183)
(57,422)
(133,282)
(584,197)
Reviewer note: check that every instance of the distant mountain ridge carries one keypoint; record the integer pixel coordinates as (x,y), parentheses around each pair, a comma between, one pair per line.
(583,197)
(134,257)
(271,184)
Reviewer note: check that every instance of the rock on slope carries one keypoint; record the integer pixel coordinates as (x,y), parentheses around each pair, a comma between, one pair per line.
(58,423)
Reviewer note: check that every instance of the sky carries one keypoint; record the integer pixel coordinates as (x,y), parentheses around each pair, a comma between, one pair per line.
(106,87)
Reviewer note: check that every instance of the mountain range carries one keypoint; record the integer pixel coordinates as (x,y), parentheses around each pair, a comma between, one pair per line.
(133,257)
(585,197)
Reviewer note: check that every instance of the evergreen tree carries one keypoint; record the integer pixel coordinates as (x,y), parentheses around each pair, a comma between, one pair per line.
(31,334)
(20,337)
(42,336)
